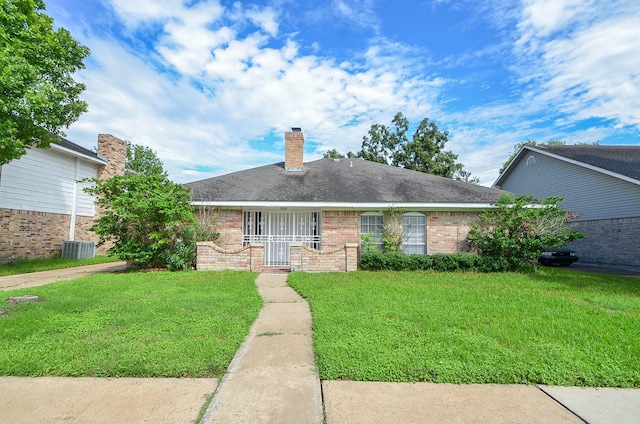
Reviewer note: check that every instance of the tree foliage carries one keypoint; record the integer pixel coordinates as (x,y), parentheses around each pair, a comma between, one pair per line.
(142,160)
(424,152)
(521,228)
(38,96)
(147,217)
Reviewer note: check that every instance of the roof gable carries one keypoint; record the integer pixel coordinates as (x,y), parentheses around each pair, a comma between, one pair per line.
(349,181)
(618,161)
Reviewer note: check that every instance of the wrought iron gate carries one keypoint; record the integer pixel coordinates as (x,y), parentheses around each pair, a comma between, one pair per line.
(277,230)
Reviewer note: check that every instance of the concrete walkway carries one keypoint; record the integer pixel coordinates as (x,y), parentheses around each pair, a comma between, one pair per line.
(33,279)
(272,378)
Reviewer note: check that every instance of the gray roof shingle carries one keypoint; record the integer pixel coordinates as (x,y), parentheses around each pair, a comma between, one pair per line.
(623,160)
(344,181)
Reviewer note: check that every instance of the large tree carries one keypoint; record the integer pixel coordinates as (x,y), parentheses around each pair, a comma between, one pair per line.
(424,152)
(38,96)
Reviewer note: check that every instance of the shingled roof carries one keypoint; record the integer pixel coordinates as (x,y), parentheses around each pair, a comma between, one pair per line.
(331,182)
(623,160)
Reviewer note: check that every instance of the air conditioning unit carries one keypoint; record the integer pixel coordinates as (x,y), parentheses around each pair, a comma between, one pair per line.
(78,249)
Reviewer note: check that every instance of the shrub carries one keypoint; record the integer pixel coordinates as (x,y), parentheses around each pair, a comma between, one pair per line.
(520,229)
(374,260)
(181,256)
(147,217)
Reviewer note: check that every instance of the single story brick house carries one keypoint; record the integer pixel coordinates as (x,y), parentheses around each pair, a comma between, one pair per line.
(599,183)
(311,216)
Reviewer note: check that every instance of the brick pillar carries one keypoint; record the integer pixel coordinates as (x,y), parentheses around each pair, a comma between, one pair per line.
(351,256)
(295,256)
(115,151)
(257,257)
(294,148)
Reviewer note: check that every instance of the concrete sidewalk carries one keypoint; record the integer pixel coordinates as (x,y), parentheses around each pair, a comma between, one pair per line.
(83,400)
(40,278)
(272,378)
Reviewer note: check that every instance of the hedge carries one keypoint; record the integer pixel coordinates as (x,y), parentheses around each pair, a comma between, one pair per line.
(374,260)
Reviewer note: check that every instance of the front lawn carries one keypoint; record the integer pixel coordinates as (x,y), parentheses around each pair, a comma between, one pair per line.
(135,324)
(555,326)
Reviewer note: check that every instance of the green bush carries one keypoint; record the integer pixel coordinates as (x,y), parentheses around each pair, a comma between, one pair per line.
(375,260)
(520,228)
(147,217)
(182,255)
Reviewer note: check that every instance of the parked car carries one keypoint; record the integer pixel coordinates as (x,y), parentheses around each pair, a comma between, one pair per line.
(557,256)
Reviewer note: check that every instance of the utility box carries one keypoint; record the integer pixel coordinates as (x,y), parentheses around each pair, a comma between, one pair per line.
(78,249)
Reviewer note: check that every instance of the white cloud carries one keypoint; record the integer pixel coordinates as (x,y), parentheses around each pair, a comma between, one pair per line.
(356,12)
(588,68)
(541,18)
(596,72)
(236,84)
(265,19)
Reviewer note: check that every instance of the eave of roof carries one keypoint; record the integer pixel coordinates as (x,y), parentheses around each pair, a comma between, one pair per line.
(562,158)
(73,149)
(368,206)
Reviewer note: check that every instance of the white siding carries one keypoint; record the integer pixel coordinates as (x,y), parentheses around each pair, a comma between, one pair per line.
(43,181)
(86,202)
(589,193)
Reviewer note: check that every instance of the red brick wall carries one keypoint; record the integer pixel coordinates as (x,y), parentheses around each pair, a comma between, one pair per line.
(28,234)
(339,228)
(304,258)
(229,225)
(447,231)
(211,257)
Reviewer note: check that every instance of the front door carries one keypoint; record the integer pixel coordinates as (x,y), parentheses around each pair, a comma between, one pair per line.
(278,229)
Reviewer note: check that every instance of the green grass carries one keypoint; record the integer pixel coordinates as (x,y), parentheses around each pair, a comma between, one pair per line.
(139,325)
(554,326)
(23,266)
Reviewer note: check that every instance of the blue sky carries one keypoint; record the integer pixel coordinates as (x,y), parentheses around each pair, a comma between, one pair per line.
(212,86)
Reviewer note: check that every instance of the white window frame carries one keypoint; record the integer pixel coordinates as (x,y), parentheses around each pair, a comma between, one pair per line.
(414,234)
(373,223)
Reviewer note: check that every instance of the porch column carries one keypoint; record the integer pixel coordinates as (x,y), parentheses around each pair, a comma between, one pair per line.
(256,261)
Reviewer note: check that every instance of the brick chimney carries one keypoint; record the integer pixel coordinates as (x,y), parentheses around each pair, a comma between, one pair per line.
(294,148)
(115,151)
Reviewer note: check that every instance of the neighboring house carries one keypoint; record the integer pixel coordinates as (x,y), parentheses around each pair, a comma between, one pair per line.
(311,216)
(42,202)
(599,183)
